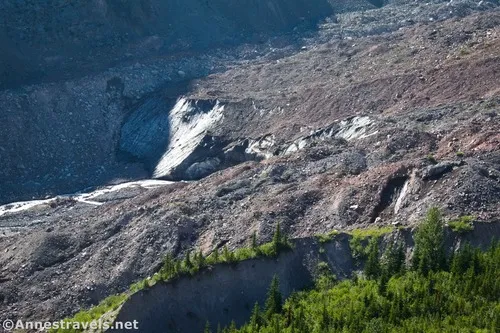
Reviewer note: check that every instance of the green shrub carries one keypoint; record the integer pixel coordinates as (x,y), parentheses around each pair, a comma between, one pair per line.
(372,232)
(325,279)
(246,253)
(360,237)
(326,238)
(431,159)
(462,225)
(357,245)
(110,303)
(227,255)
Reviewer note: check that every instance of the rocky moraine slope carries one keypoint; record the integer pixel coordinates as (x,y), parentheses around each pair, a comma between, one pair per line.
(220,119)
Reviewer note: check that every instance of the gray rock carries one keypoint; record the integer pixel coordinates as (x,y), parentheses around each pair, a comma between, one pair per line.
(437,170)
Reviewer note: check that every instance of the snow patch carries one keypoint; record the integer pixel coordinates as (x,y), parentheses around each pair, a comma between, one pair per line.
(85,198)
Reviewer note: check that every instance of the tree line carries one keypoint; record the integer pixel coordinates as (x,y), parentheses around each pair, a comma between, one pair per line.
(431,293)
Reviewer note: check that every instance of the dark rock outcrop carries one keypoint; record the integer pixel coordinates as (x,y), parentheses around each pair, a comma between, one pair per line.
(436,171)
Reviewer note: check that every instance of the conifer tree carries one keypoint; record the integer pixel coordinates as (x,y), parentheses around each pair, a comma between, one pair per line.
(168,268)
(300,321)
(254,241)
(277,239)
(440,301)
(144,284)
(178,266)
(276,324)
(187,260)
(232,327)
(216,255)
(200,260)
(207,327)
(461,260)
(285,241)
(383,280)
(393,260)
(228,255)
(397,264)
(255,319)
(372,266)
(325,320)
(274,302)
(429,252)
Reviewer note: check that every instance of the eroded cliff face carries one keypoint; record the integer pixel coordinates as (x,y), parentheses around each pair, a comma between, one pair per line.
(226,292)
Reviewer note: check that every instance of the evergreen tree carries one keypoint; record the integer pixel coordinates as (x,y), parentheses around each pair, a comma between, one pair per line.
(372,266)
(187,261)
(324,320)
(300,321)
(144,284)
(440,301)
(178,267)
(232,327)
(254,241)
(216,255)
(200,260)
(285,241)
(255,319)
(383,280)
(274,302)
(276,324)
(288,316)
(394,259)
(277,239)
(397,263)
(462,260)
(228,255)
(168,268)
(207,327)
(429,252)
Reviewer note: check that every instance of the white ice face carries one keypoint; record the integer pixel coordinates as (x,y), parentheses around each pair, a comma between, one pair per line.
(187,129)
